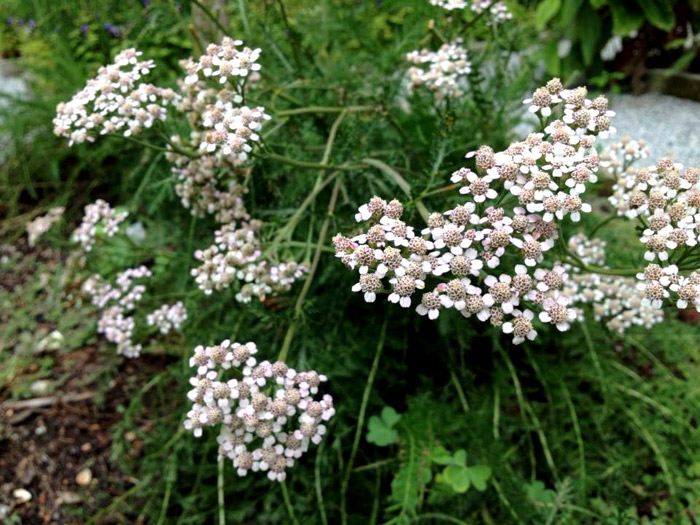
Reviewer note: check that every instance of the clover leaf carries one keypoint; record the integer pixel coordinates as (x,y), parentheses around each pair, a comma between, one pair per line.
(457,474)
(538,493)
(381,428)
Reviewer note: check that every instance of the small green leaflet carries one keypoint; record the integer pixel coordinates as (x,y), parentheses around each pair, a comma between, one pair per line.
(381,428)
(457,474)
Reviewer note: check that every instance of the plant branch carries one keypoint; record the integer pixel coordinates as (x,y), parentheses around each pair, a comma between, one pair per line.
(312,271)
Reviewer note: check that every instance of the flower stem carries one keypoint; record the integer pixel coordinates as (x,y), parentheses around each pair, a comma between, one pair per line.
(309,165)
(312,271)
(288,503)
(323,109)
(139,142)
(210,16)
(294,219)
(361,422)
(602,223)
(220,491)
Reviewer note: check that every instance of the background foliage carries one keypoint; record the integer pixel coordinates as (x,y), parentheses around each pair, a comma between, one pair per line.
(588,427)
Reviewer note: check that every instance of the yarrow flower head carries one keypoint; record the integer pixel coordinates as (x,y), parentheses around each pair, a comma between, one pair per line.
(267,419)
(114,102)
(236,255)
(497,9)
(116,302)
(168,317)
(41,225)
(450,263)
(99,218)
(443,72)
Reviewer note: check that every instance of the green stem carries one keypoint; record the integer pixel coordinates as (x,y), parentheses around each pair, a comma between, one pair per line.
(361,422)
(244,18)
(603,223)
(460,391)
(312,271)
(210,16)
(288,503)
(623,272)
(443,189)
(294,219)
(477,17)
(220,491)
(136,141)
(317,483)
(331,137)
(309,165)
(323,109)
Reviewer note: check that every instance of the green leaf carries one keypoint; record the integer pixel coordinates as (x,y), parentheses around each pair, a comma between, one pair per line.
(683,62)
(390,416)
(659,13)
(379,434)
(626,19)
(545,12)
(441,456)
(479,475)
(381,428)
(460,458)
(550,55)
(537,492)
(590,29)
(569,10)
(457,478)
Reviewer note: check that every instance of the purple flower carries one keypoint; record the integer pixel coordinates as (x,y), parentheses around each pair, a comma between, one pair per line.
(83,29)
(112,30)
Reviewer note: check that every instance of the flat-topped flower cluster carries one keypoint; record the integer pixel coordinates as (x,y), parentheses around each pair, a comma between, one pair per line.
(99,217)
(443,72)
(117,304)
(516,198)
(614,299)
(498,11)
(665,199)
(209,163)
(39,226)
(236,255)
(114,102)
(168,317)
(268,415)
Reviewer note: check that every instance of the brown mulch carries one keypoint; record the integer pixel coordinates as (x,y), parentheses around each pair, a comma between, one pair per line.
(43,449)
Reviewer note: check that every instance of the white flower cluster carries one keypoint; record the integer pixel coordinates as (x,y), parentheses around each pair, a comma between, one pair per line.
(201,190)
(223,132)
(237,256)
(41,225)
(117,302)
(454,250)
(517,197)
(224,124)
(498,9)
(114,101)
(443,71)
(618,157)
(168,317)
(99,217)
(268,417)
(614,299)
(665,198)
